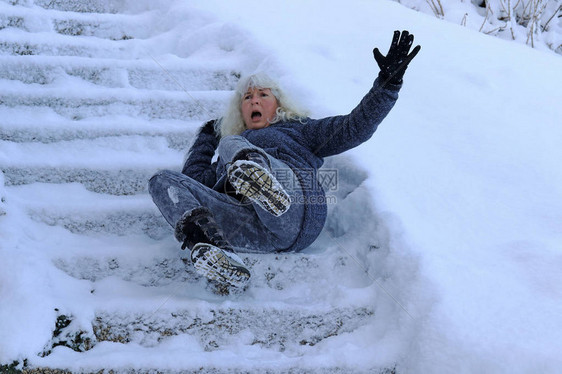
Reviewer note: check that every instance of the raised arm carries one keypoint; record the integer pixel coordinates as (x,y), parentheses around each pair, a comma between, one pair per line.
(333,135)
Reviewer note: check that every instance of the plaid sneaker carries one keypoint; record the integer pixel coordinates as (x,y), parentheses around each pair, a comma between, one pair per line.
(255,182)
(211,254)
(219,265)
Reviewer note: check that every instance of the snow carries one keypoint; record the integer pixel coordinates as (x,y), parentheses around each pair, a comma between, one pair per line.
(459,189)
(532,23)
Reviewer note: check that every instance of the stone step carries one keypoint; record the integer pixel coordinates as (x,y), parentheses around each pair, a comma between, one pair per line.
(166,268)
(116,43)
(163,73)
(39,125)
(274,274)
(106,26)
(136,260)
(75,103)
(114,182)
(22,43)
(90,6)
(279,328)
(208,369)
(81,211)
(153,318)
(118,165)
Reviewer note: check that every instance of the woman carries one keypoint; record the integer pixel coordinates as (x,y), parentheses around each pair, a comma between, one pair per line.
(238,201)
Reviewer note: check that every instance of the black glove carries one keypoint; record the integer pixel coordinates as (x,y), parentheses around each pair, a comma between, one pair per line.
(394,64)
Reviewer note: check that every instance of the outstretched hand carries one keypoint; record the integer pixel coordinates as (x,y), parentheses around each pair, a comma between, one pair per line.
(394,64)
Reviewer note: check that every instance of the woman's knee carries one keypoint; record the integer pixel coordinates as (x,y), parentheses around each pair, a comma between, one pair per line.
(160,180)
(229,142)
(233,138)
(232,146)
(165,179)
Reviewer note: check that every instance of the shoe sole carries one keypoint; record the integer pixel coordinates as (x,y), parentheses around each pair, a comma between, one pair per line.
(254,182)
(214,264)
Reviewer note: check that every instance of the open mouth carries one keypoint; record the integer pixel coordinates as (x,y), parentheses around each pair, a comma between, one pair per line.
(256,115)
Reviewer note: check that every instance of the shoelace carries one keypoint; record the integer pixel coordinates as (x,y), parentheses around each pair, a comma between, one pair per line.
(212,232)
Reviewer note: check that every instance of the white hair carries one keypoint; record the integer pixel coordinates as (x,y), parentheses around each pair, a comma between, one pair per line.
(232,122)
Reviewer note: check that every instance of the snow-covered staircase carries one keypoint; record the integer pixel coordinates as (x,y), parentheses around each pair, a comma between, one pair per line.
(92,104)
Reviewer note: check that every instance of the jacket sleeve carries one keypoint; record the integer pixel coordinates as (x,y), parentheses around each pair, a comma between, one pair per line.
(198,164)
(333,135)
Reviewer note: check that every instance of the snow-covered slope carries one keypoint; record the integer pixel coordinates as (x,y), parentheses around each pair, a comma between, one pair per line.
(441,255)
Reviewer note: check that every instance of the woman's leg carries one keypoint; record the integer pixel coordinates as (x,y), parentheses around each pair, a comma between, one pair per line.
(284,228)
(175,193)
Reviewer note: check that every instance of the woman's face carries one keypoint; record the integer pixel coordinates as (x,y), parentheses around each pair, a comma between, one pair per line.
(258,108)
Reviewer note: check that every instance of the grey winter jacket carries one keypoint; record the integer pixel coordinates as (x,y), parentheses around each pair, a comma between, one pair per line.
(303,146)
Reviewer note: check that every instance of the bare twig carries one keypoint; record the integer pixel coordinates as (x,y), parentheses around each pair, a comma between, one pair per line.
(503,6)
(530,35)
(463,21)
(436,7)
(485,17)
(537,10)
(544,28)
(526,13)
(510,19)
(500,28)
